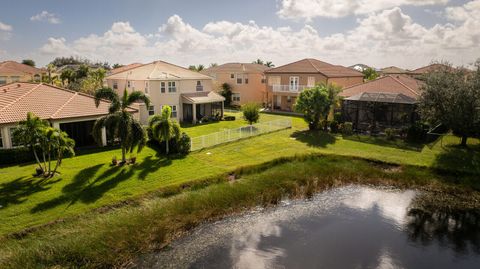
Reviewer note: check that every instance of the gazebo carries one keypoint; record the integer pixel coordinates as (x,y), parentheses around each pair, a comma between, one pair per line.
(374,111)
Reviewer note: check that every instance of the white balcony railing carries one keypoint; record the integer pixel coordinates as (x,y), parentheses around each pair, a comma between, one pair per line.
(289,88)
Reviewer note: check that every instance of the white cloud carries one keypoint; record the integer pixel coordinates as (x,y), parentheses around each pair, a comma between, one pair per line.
(5,31)
(388,37)
(46,16)
(309,9)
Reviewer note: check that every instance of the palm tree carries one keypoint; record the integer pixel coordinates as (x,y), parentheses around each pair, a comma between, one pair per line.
(58,144)
(258,61)
(119,122)
(269,64)
(29,132)
(163,128)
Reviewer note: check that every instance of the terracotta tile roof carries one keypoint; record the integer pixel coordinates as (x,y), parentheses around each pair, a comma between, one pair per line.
(393,70)
(430,68)
(316,66)
(396,84)
(124,68)
(18,68)
(47,102)
(158,70)
(396,98)
(237,68)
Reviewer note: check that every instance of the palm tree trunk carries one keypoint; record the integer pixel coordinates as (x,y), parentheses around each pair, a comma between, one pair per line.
(124,159)
(166,142)
(59,159)
(464,141)
(37,159)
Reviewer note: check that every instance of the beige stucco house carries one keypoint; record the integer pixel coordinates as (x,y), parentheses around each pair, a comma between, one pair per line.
(189,93)
(70,111)
(247,81)
(11,71)
(287,81)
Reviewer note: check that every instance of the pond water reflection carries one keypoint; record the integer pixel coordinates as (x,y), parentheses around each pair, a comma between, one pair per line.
(349,227)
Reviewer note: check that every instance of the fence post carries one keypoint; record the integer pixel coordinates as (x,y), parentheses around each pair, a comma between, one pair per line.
(251,130)
(203,141)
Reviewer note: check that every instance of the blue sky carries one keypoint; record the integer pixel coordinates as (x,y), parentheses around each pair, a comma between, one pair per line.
(408,33)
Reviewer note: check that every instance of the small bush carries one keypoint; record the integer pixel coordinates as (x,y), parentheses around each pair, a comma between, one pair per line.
(177,145)
(229,118)
(251,113)
(390,133)
(337,116)
(334,126)
(417,132)
(347,128)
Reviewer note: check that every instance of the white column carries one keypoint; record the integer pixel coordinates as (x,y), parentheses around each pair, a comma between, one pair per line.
(223,107)
(104,136)
(7,142)
(194,112)
(56,125)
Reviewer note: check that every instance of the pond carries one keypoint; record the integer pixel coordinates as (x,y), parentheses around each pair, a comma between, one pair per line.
(348,227)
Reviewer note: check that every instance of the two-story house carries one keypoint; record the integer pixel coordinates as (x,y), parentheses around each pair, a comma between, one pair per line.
(287,81)
(247,81)
(11,71)
(189,93)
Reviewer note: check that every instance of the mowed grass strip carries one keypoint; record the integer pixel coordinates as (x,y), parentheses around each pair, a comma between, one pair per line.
(88,181)
(117,238)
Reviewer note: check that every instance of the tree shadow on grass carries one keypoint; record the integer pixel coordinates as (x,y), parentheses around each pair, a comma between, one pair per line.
(17,191)
(314,138)
(461,159)
(384,142)
(86,190)
(87,187)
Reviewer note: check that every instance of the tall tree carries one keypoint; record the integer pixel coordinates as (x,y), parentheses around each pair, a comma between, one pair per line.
(226,91)
(119,122)
(450,96)
(269,64)
(196,68)
(314,104)
(29,62)
(370,74)
(258,61)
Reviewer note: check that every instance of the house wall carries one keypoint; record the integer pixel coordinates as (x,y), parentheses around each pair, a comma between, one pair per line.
(159,99)
(23,78)
(253,92)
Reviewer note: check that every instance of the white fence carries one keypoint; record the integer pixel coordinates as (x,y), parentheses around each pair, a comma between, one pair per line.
(229,135)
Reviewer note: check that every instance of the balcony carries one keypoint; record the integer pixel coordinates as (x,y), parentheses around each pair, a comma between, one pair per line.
(289,88)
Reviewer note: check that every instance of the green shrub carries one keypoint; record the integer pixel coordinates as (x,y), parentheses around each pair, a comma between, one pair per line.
(347,128)
(229,118)
(337,116)
(390,133)
(417,132)
(16,156)
(251,113)
(176,145)
(334,126)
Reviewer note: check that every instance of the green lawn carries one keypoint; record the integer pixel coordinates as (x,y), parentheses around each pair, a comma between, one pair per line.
(88,182)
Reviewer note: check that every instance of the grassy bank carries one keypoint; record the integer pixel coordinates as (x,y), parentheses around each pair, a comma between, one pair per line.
(116,238)
(88,182)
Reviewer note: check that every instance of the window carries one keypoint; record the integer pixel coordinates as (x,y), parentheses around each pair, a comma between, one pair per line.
(115,85)
(199,86)
(289,99)
(236,97)
(239,79)
(174,111)
(151,110)
(146,87)
(246,80)
(36,78)
(3,80)
(162,87)
(232,76)
(294,83)
(128,84)
(15,78)
(172,86)
(263,80)
(15,142)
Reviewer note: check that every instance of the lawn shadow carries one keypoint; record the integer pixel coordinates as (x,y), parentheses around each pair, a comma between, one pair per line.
(314,138)
(457,158)
(384,142)
(17,191)
(87,187)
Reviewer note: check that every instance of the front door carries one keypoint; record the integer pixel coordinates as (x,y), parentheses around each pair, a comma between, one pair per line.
(294,84)
(187,112)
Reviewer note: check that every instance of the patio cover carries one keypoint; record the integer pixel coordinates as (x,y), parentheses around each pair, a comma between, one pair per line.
(202,97)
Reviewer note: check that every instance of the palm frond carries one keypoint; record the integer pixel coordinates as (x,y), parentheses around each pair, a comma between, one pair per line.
(137,96)
(110,95)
